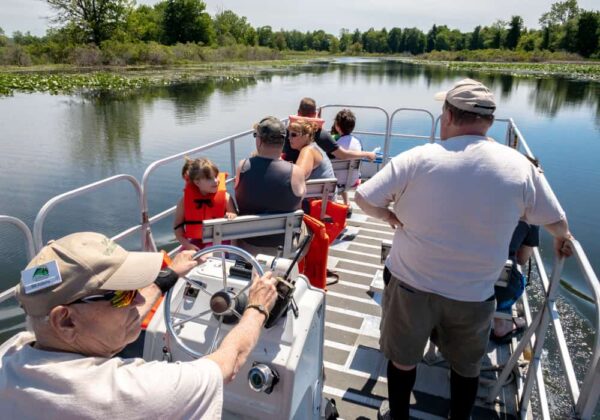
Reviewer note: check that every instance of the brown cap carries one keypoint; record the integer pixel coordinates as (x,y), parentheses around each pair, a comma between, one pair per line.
(271,130)
(79,265)
(469,95)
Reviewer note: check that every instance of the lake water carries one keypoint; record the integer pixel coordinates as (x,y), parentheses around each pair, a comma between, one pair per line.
(51,144)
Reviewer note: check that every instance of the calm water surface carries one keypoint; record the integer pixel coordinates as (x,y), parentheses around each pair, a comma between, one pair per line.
(51,144)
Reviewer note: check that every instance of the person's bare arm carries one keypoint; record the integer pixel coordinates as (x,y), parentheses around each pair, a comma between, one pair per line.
(382,213)
(230,210)
(341,153)
(562,235)
(178,228)
(298,182)
(306,161)
(237,345)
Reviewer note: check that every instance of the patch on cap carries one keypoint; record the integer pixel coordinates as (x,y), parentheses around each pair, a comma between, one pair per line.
(469,95)
(40,277)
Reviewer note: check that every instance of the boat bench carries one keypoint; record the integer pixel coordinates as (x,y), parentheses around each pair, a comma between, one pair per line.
(345,170)
(323,189)
(219,230)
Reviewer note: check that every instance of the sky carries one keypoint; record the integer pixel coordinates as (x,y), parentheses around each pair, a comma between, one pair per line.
(329,15)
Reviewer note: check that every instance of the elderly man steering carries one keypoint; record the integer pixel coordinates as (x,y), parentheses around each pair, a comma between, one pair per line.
(80,294)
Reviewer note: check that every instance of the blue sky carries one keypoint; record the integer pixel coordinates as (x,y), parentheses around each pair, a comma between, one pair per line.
(329,15)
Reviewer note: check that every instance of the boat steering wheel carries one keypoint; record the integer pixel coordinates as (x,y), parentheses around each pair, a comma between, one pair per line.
(226,303)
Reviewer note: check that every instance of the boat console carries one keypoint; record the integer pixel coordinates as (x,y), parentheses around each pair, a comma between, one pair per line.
(283,376)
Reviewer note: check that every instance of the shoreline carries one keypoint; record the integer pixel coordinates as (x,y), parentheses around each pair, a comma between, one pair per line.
(69,79)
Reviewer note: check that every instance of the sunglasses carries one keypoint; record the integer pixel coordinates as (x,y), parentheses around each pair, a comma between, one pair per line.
(294,134)
(117,298)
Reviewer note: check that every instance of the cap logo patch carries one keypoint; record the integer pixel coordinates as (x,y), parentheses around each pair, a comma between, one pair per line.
(40,277)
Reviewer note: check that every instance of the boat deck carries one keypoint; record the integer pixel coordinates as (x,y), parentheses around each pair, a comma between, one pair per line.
(355,370)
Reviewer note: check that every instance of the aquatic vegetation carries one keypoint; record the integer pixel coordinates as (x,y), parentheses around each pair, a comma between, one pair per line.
(571,70)
(67,83)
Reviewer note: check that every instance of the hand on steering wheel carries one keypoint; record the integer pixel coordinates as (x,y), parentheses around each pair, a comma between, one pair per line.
(226,302)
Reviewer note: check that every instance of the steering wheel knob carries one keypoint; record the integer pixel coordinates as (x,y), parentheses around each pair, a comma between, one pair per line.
(220,302)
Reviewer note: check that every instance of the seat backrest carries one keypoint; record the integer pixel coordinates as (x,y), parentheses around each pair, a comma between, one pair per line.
(219,230)
(345,171)
(323,189)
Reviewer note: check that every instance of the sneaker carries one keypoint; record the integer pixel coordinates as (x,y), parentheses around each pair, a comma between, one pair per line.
(384,411)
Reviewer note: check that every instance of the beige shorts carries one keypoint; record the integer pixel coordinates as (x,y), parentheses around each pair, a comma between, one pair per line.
(410,317)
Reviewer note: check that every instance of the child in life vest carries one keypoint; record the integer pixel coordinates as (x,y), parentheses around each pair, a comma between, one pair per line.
(204,197)
(343,125)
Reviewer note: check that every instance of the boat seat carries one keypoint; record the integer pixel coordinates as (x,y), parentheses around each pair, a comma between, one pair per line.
(346,170)
(219,230)
(323,189)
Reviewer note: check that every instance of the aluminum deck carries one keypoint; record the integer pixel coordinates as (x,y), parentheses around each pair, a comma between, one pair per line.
(355,370)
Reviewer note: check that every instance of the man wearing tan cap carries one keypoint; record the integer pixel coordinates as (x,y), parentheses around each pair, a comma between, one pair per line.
(80,294)
(455,206)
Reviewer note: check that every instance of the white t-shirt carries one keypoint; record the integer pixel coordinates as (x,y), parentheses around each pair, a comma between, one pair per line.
(55,385)
(349,142)
(460,201)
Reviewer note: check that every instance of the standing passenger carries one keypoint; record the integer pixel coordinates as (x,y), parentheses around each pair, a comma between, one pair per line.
(455,205)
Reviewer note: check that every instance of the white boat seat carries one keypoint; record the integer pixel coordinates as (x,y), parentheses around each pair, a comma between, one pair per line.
(219,230)
(321,188)
(346,170)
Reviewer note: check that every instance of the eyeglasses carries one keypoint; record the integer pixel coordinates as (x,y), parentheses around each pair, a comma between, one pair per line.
(117,298)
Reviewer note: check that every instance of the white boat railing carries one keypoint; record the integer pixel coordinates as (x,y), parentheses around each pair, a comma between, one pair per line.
(38,224)
(584,399)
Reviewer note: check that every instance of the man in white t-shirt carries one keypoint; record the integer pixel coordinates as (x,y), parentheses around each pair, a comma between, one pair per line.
(80,294)
(455,206)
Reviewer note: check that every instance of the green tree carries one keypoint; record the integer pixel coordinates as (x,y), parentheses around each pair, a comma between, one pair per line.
(345,39)
(431,35)
(186,21)
(514,32)
(229,26)
(395,40)
(588,32)
(414,40)
(96,19)
(145,22)
(265,36)
(476,41)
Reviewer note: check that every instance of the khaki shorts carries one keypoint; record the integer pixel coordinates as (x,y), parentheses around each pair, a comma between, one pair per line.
(410,317)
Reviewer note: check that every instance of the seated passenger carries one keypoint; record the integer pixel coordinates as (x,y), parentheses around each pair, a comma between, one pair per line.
(312,159)
(204,198)
(343,125)
(524,239)
(266,184)
(308,109)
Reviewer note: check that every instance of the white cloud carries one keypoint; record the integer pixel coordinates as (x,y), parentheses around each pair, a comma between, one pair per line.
(329,15)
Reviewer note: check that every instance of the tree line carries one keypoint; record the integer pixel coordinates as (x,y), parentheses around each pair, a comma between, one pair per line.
(119,32)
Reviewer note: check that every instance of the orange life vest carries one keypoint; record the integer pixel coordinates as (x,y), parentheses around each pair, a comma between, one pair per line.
(336,211)
(316,121)
(198,207)
(314,264)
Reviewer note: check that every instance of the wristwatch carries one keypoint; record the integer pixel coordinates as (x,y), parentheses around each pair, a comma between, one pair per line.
(260,308)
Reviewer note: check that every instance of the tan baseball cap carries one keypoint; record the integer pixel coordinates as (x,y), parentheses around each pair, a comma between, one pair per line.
(469,95)
(79,265)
